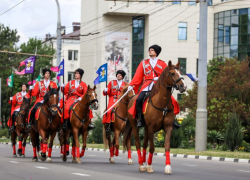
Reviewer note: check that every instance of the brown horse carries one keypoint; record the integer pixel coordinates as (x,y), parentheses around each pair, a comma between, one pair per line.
(79,122)
(159,115)
(47,124)
(118,126)
(21,130)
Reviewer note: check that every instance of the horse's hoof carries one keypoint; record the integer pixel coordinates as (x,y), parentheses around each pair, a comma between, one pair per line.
(49,160)
(14,155)
(142,168)
(35,159)
(19,152)
(67,153)
(23,155)
(168,169)
(64,158)
(130,162)
(43,156)
(73,160)
(150,169)
(78,161)
(39,154)
(111,160)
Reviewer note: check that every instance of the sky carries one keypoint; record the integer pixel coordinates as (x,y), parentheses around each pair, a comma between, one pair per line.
(35,18)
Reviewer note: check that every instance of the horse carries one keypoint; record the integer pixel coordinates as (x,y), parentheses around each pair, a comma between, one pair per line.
(118,126)
(21,130)
(79,122)
(47,124)
(159,115)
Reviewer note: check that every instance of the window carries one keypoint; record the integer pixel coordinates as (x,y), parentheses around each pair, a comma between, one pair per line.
(210,2)
(70,76)
(159,1)
(72,55)
(182,65)
(227,34)
(198,32)
(176,2)
(220,33)
(179,97)
(182,31)
(192,3)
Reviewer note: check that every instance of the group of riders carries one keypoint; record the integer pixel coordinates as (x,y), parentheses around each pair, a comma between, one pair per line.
(146,75)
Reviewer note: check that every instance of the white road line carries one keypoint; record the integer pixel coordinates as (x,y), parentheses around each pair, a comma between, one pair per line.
(189,165)
(40,167)
(243,171)
(14,162)
(79,174)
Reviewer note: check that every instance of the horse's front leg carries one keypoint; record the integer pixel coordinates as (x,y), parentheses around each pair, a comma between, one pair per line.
(84,142)
(13,139)
(111,149)
(35,143)
(25,136)
(145,145)
(65,140)
(116,141)
(49,160)
(75,135)
(130,161)
(20,142)
(168,133)
(44,144)
(151,149)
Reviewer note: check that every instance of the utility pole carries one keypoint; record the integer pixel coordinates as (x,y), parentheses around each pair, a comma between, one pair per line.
(0,102)
(59,40)
(201,112)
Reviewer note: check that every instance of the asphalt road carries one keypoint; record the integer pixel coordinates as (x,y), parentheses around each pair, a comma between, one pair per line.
(95,165)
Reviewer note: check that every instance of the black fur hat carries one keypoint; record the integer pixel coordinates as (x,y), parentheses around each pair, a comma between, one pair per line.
(156,48)
(121,72)
(45,70)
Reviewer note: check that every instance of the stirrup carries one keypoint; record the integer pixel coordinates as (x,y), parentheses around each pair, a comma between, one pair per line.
(29,125)
(91,126)
(11,129)
(65,125)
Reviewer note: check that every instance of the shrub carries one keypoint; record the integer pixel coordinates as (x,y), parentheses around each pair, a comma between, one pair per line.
(96,135)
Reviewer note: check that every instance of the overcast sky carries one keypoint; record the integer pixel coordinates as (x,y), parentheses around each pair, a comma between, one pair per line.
(35,18)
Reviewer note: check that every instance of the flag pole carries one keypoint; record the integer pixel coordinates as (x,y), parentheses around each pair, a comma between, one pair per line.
(11,95)
(32,77)
(63,92)
(106,97)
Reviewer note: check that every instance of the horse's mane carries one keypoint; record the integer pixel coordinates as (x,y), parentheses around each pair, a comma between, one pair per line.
(50,92)
(26,100)
(160,81)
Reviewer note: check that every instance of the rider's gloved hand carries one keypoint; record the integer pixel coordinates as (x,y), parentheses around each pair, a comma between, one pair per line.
(11,98)
(31,87)
(130,88)
(156,78)
(63,85)
(106,89)
(79,99)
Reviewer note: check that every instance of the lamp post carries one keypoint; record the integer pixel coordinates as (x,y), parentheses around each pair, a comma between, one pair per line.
(59,43)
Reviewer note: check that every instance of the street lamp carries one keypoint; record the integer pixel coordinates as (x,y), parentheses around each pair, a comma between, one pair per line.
(59,43)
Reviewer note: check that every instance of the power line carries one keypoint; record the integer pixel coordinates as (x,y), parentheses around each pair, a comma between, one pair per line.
(11,8)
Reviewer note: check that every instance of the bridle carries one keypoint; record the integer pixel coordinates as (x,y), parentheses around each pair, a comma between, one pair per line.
(173,81)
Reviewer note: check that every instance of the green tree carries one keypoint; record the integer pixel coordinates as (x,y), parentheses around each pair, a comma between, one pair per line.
(8,40)
(96,135)
(228,88)
(233,134)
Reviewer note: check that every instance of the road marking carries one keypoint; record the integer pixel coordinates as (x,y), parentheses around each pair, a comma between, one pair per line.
(14,162)
(40,167)
(79,174)
(243,171)
(189,165)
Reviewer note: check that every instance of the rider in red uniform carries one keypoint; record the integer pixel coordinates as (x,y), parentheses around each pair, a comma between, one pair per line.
(74,91)
(17,100)
(40,89)
(113,91)
(147,73)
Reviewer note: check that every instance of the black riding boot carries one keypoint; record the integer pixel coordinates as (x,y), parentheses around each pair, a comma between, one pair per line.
(107,128)
(12,128)
(176,124)
(91,126)
(65,124)
(139,102)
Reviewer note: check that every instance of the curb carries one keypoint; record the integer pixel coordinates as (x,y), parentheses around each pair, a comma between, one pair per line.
(172,155)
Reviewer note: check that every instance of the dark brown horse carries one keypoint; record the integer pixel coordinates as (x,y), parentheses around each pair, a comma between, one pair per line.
(46,125)
(21,130)
(159,115)
(118,126)
(79,122)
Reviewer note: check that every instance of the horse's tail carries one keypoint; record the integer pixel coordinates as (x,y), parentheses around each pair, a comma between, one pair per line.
(105,140)
(127,134)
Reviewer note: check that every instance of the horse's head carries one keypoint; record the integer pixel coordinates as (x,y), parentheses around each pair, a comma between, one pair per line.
(51,99)
(23,113)
(127,97)
(92,98)
(175,78)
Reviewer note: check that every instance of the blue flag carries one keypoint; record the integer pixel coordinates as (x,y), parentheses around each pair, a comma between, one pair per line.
(61,69)
(102,74)
(192,76)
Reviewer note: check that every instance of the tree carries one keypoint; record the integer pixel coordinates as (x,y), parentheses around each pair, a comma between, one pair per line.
(8,39)
(233,134)
(96,135)
(228,88)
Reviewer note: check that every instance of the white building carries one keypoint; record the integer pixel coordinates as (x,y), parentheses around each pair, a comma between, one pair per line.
(129,30)
(70,50)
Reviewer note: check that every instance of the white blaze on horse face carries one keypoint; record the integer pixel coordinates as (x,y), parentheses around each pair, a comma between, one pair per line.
(180,77)
(54,95)
(93,95)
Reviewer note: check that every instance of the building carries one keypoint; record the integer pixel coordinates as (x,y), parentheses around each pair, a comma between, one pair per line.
(70,50)
(127,30)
